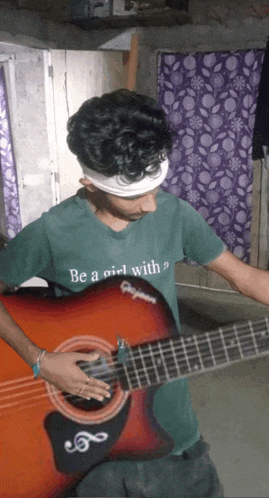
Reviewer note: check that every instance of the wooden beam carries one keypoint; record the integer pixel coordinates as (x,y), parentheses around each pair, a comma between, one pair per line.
(132,64)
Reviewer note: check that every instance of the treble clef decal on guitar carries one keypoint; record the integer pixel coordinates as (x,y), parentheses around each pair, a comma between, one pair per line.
(130,325)
(82,441)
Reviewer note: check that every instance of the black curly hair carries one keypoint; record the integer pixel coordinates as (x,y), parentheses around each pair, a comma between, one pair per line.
(120,133)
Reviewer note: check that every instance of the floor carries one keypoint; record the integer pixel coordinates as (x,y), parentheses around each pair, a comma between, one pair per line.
(232,403)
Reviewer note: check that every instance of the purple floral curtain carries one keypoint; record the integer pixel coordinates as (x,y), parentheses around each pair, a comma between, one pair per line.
(8,167)
(210,100)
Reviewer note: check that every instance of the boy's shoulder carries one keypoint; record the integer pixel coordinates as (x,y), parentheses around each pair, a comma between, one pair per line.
(67,209)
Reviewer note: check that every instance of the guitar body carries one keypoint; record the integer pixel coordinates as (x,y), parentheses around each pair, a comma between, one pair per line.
(127,307)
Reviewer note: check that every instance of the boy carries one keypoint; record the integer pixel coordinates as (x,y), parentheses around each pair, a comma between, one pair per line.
(121,222)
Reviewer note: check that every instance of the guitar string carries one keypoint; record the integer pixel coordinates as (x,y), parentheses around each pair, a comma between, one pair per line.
(170,362)
(177,344)
(243,327)
(38,400)
(228,328)
(164,351)
(78,397)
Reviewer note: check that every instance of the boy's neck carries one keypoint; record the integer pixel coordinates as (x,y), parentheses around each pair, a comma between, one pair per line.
(104,215)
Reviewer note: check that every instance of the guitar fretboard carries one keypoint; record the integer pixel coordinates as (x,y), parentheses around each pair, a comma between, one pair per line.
(167,359)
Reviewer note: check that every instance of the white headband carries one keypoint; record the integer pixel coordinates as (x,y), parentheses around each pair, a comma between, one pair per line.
(116,186)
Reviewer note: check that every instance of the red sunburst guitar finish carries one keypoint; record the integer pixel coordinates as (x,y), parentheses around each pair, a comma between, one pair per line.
(48,439)
(94,320)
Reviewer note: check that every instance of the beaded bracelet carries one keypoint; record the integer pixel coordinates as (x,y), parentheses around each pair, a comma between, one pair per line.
(36,366)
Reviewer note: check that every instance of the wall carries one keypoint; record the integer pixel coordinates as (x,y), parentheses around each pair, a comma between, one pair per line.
(234,35)
(29,130)
(213,21)
(44,91)
(215,28)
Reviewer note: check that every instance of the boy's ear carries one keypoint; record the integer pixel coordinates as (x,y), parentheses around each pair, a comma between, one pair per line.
(86,182)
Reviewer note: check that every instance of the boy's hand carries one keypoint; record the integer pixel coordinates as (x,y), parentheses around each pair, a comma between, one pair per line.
(61,370)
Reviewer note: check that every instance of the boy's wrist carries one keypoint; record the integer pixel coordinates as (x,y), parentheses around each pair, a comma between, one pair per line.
(36,366)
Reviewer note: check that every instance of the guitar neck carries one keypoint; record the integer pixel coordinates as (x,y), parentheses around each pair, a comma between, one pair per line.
(160,361)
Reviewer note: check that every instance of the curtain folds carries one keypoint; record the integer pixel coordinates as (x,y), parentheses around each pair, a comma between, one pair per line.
(210,100)
(8,167)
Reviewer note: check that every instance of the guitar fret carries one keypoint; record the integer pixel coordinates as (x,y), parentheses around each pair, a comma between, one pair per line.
(231,345)
(181,360)
(174,357)
(267,332)
(199,352)
(210,347)
(262,337)
(185,354)
(164,363)
(253,337)
(154,365)
(238,342)
(169,358)
(141,371)
(144,366)
(159,363)
(192,354)
(149,366)
(136,381)
(217,347)
(224,345)
(206,354)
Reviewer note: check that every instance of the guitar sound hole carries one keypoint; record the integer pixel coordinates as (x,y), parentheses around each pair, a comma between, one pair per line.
(102,370)
(91,405)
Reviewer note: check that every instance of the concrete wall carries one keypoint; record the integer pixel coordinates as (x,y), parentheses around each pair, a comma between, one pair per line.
(216,27)
(231,20)
(36,33)
(234,35)
(235,25)
(29,129)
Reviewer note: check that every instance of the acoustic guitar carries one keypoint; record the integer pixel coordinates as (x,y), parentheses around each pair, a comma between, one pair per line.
(49,439)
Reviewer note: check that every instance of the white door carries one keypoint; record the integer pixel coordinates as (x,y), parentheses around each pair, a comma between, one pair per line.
(72,78)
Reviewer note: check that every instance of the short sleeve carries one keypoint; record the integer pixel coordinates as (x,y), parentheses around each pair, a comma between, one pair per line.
(200,243)
(26,255)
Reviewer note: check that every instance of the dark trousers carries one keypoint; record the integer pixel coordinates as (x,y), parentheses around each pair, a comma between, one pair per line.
(190,475)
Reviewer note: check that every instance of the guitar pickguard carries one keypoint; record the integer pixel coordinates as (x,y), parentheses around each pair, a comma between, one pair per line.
(79,447)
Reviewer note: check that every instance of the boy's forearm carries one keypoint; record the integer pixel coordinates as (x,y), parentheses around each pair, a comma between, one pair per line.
(12,334)
(250,281)
(258,287)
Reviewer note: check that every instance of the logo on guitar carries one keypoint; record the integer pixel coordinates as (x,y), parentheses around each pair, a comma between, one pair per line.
(82,441)
(127,287)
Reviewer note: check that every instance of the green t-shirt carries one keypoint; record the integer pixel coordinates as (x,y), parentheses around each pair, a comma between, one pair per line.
(72,248)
